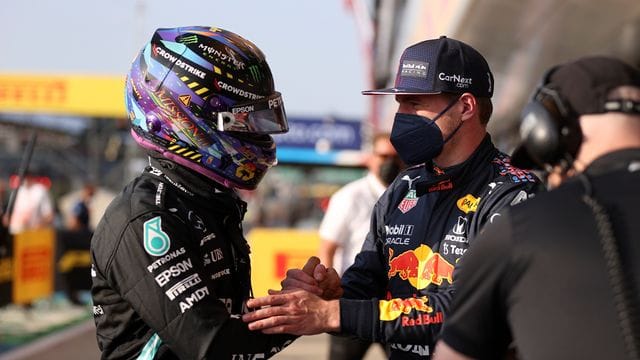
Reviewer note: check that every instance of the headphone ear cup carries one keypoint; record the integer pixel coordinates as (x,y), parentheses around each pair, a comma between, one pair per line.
(571,136)
(540,134)
(549,130)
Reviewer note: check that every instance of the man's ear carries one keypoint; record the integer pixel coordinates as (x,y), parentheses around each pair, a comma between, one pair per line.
(469,106)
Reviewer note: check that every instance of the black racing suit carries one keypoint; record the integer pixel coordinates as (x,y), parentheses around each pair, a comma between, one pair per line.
(171,272)
(541,276)
(399,288)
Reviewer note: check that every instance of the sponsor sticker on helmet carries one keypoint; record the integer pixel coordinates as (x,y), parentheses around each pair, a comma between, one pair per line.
(156,241)
(185,99)
(246,171)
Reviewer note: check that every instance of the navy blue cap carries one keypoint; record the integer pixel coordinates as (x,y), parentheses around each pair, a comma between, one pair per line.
(440,65)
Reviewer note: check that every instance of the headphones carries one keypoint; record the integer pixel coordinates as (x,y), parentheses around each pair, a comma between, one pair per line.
(550,130)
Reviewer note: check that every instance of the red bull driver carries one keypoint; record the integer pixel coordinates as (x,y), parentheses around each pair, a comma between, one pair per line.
(399,289)
(557,278)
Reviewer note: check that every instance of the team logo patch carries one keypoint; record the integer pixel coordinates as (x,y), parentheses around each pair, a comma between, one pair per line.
(414,68)
(409,202)
(522,196)
(421,267)
(156,241)
(468,203)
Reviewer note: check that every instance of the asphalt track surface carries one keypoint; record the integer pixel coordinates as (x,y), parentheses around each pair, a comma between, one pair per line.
(79,342)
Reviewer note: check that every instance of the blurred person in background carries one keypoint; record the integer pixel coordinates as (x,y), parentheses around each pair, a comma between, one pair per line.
(33,207)
(558,277)
(80,212)
(346,223)
(171,267)
(400,287)
(4,225)
(73,243)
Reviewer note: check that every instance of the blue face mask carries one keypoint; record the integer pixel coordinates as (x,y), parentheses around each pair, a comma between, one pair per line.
(417,138)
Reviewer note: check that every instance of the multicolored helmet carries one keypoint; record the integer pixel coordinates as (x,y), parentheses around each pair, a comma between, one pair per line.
(205,98)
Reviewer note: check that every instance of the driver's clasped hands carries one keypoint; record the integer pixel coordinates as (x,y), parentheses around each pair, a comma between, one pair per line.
(304,304)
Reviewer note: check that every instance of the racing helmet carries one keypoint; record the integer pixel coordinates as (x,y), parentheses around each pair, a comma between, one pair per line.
(204,98)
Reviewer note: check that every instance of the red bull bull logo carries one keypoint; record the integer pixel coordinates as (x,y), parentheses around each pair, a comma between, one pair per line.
(405,265)
(420,267)
(437,269)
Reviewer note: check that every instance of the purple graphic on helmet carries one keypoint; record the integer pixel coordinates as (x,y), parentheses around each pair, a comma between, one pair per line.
(205,98)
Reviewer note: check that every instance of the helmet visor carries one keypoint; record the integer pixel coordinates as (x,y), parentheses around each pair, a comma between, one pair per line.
(265,116)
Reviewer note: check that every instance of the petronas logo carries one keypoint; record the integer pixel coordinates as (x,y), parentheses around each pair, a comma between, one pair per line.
(191,39)
(156,241)
(255,72)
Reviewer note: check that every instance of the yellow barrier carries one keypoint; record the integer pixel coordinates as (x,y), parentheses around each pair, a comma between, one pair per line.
(274,251)
(33,254)
(6,270)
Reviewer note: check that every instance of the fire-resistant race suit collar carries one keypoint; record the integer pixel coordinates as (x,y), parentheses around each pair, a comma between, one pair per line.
(616,160)
(207,193)
(187,181)
(462,173)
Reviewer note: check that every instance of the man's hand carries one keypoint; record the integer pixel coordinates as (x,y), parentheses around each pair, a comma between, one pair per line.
(296,312)
(313,277)
(301,278)
(329,282)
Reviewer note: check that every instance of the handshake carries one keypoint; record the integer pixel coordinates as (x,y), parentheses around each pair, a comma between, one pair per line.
(307,304)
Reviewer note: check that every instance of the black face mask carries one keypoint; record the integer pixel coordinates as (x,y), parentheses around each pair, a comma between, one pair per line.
(417,138)
(389,169)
